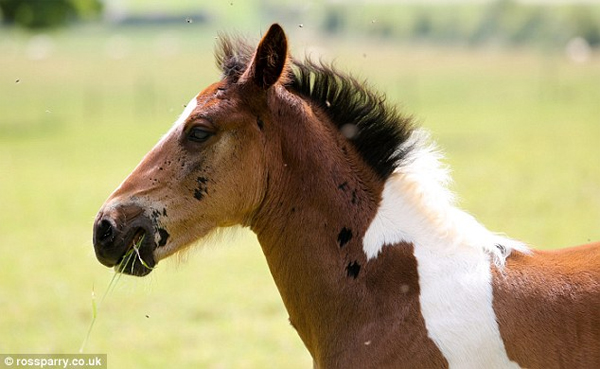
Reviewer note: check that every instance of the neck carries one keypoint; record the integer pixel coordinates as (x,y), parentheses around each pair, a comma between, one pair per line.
(360,263)
(311,224)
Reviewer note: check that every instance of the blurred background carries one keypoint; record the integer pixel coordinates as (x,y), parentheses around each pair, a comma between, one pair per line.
(509,89)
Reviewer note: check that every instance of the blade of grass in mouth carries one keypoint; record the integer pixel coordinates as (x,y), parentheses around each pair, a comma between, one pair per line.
(136,248)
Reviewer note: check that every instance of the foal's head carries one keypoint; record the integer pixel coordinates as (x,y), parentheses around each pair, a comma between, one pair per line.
(240,140)
(208,171)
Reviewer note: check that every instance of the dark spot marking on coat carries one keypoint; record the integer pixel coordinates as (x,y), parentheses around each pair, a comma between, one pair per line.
(260,123)
(353,269)
(155,214)
(343,186)
(502,249)
(354,197)
(344,236)
(293,210)
(164,236)
(164,213)
(201,190)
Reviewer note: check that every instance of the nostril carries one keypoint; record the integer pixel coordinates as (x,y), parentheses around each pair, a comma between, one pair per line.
(105,231)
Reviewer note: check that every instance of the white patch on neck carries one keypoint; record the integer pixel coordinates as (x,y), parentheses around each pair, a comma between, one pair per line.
(454,254)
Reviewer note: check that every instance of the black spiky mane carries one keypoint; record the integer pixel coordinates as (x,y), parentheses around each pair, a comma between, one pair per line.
(379,134)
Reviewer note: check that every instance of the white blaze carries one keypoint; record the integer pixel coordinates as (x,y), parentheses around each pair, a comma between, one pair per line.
(189,108)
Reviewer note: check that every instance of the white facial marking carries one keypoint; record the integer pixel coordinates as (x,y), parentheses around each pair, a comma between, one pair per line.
(189,108)
(454,254)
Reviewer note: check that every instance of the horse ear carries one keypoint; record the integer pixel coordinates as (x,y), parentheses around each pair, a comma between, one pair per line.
(269,59)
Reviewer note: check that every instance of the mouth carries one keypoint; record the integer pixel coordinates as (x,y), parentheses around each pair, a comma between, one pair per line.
(137,259)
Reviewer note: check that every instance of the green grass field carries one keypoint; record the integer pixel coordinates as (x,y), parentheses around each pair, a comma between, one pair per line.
(520,129)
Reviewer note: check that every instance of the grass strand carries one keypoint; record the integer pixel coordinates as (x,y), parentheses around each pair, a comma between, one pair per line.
(111,285)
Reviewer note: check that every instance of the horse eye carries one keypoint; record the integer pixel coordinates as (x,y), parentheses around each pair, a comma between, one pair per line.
(198,134)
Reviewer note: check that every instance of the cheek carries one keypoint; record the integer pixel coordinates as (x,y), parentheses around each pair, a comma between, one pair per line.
(247,180)
(187,166)
(219,185)
(230,186)
(199,178)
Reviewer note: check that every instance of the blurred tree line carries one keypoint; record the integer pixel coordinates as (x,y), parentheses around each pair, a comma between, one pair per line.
(501,21)
(508,22)
(47,13)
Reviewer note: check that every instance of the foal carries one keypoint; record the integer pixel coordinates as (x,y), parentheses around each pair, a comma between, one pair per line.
(374,263)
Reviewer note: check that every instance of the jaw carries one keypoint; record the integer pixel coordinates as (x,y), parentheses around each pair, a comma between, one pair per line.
(182,242)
